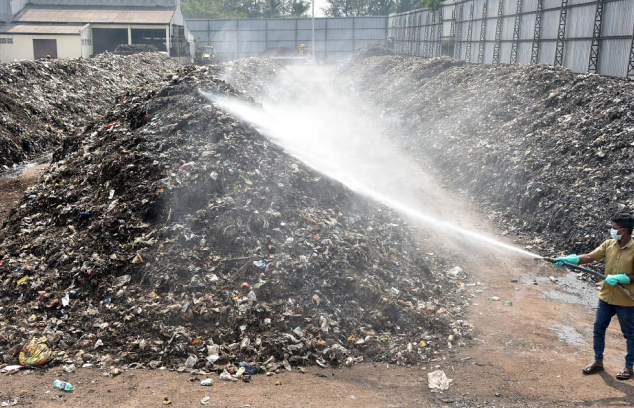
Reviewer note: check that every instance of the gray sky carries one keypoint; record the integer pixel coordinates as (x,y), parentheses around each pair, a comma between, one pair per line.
(319,4)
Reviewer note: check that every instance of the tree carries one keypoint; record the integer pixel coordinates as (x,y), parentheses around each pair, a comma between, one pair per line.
(272,8)
(407,5)
(244,8)
(357,8)
(381,7)
(345,8)
(432,4)
(298,8)
(219,8)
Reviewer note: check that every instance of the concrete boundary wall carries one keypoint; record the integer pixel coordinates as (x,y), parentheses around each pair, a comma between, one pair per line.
(336,39)
(583,35)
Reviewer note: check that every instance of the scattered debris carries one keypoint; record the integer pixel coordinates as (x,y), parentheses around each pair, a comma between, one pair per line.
(63,385)
(438,380)
(41,102)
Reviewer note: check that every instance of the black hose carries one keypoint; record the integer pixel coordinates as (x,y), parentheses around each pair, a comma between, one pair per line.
(621,287)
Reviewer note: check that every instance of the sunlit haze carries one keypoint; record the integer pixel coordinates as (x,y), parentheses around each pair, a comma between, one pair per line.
(342,137)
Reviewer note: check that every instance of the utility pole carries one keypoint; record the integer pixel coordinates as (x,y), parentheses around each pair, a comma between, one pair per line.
(313,47)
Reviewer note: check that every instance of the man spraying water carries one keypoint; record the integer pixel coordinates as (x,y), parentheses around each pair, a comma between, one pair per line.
(618,253)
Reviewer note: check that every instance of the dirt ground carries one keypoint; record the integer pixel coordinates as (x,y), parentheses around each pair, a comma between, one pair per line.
(528,354)
(12,188)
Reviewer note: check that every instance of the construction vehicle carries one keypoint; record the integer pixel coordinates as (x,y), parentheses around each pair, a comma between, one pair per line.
(287,55)
(206,56)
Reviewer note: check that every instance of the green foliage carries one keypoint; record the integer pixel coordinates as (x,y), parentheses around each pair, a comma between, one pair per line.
(299,8)
(407,5)
(355,8)
(244,8)
(432,4)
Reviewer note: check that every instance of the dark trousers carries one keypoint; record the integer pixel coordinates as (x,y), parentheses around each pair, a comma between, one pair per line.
(625,314)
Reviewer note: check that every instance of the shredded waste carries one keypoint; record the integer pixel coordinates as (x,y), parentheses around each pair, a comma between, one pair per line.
(43,101)
(543,151)
(168,234)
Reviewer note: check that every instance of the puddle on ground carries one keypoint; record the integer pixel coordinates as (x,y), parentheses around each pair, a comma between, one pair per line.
(568,289)
(18,170)
(568,334)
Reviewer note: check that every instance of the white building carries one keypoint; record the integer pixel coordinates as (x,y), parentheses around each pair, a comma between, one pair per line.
(83,28)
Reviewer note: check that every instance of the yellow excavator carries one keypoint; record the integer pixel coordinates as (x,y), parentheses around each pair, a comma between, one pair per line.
(287,55)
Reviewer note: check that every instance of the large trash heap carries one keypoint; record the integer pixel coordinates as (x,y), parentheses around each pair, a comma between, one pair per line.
(42,101)
(170,234)
(545,152)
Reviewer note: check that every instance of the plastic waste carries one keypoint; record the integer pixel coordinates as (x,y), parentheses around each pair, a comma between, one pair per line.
(225,376)
(196,240)
(438,380)
(248,368)
(36,353)
(63,385)
(213,358)
(207,382)
(11,369)
(191,361)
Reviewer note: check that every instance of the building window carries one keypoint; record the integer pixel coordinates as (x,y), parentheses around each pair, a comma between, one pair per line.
(9,40)
(6,40)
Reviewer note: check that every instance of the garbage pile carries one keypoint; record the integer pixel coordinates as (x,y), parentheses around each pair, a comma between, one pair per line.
(129,49)
(169,234)
(545,152)
(43,101)
(253,76)
(372,50)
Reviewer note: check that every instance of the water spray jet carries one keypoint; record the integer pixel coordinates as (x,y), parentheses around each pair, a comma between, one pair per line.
(329,134)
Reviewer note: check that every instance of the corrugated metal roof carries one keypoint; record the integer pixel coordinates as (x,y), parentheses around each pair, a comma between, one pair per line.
(96,15)
(39,29)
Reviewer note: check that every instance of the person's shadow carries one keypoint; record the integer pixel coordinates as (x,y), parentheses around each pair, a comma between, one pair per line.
(626,387)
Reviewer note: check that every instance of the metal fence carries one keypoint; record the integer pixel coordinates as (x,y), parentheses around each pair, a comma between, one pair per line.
(583,35)
(107,3)
(336,39)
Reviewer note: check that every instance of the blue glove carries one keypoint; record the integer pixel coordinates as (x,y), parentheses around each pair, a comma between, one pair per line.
(612,280)
(572,259)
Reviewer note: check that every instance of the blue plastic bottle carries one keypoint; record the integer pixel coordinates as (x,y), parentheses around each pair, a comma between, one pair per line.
(63,385)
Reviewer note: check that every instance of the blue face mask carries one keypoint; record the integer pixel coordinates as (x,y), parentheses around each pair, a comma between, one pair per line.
(614,234)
